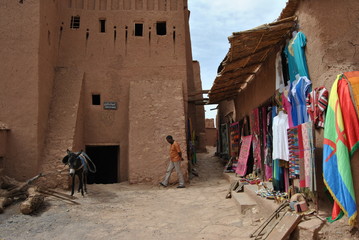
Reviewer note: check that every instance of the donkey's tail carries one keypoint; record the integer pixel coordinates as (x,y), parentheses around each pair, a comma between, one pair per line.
(88,162)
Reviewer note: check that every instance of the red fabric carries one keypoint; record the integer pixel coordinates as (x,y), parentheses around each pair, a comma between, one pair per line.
(256,139)
(301,157)
(335,211)
(317,102)
(350,117)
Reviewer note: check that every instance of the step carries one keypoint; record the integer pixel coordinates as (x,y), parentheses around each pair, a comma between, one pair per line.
(243,201)
(250,197)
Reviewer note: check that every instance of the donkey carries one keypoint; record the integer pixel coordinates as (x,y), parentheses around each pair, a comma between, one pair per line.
(78,164)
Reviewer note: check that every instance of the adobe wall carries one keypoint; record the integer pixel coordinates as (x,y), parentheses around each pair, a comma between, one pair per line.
(211,137)
(163,108)
(257,91)
(209,122)
(199,117)
(38,75)
(332,42)
(47,61)
(225,108)
(19,91)
(113,59)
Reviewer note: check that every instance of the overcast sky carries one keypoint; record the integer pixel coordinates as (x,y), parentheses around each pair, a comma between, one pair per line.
(212,22)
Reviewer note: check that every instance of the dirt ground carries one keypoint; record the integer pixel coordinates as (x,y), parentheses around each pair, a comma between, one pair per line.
(123,211)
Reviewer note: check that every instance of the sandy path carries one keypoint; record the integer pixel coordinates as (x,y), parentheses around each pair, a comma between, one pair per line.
(123,211)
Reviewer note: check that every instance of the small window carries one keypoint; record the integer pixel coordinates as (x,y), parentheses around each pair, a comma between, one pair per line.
(138,29)
(96,99)
(102,25)
(161,28)
(75,22)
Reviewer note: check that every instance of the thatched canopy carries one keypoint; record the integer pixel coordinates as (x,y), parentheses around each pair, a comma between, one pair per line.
(248,51)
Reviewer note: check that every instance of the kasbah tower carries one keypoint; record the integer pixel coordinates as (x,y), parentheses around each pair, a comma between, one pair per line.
(111,77)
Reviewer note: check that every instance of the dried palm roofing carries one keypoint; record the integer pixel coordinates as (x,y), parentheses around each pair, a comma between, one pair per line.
(248,51)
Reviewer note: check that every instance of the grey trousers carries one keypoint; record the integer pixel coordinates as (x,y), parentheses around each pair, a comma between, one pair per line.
(171,166)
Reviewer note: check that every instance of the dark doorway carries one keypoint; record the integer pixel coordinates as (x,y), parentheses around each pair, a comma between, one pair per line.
(105,159)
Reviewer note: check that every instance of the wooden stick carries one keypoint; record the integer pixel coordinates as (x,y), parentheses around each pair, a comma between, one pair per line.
(268,220)
(58,195)
(275,224)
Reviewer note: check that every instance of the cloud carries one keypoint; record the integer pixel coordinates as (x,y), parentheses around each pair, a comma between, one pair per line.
(212,22)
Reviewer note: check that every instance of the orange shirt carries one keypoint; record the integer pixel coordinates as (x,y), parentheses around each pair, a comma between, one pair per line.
(174,150)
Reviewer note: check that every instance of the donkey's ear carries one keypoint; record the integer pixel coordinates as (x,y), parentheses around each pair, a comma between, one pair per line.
(68,151)
(65,160)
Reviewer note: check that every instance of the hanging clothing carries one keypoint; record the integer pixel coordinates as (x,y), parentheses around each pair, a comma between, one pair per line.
(268,147)
(339,146)
(242,167)
(301,158)
(279,80)
(280,139)
(293,146)
(297,47)
(256,142)
(317,102)
(309,162)
(224,139)
(353,83)
(287,107)
(297,96)
(292,67)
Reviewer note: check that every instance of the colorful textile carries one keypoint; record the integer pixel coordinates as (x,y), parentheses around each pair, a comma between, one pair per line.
(301,158)
(255,125)
(297,96)
(301,155)
(224,139)
(308,148)
(234,139)
(287,107)
(293,146)
(278,176)
(268,147)
(241,169)
(339,145)
(353,78)
(317,102)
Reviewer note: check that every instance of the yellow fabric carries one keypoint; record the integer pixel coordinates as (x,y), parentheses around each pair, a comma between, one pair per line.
(174,150)
(354,82)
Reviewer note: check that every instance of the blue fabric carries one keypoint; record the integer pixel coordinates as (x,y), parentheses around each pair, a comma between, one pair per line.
(292,67)
(297,96)
(335,181)
(295,54)
(299,43)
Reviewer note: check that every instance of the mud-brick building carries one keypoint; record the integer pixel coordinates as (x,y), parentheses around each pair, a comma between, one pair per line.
(247,77)
(111,77)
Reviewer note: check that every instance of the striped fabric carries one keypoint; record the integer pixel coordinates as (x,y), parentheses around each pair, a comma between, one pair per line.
(293,144)
(317,102)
